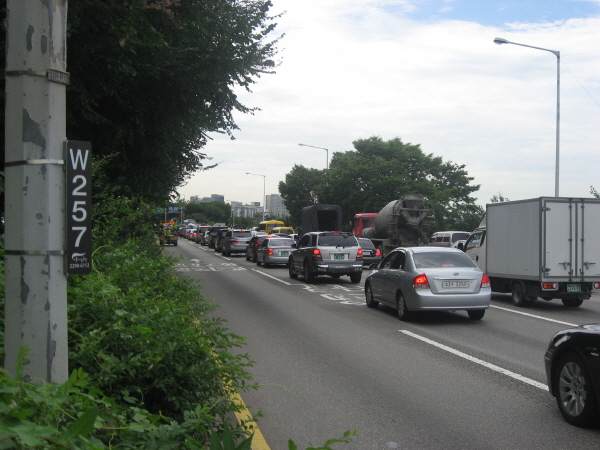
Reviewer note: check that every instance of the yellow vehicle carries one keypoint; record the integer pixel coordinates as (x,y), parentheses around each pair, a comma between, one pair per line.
(283,230)
(167,234)
(268,225)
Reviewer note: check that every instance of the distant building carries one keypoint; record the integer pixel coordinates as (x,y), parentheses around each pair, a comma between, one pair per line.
(240,210)
(275,206)
(213,198)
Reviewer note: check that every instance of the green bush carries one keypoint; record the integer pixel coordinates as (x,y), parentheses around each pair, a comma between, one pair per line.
(143,335)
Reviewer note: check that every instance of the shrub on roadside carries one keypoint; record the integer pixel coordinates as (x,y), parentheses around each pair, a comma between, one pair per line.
(144,336)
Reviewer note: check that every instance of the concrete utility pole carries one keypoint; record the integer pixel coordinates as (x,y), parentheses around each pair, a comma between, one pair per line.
(35,279)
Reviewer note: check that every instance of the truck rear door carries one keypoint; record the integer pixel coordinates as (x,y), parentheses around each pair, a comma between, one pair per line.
(571,243)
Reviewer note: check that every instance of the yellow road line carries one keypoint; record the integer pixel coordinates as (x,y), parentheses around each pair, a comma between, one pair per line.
(258,441)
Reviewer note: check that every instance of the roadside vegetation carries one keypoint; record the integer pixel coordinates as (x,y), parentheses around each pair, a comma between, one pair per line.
(151,368)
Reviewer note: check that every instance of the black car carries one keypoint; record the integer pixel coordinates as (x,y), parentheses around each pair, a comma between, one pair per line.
(371,254)
(573,373)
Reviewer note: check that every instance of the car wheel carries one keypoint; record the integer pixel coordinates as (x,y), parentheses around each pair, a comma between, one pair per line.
(518,295)
(572,302)
(293,275)
(476,314)
(247,257)
(355,277)
(258,263)
(575,394)
(401,309)
(309,277)
(254,257)
(371,302)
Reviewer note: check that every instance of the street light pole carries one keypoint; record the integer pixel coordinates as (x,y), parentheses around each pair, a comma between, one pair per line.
(322,148)
(264,191)
(501,41)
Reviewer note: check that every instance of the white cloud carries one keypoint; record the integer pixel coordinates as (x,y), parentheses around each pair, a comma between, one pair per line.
(353,69)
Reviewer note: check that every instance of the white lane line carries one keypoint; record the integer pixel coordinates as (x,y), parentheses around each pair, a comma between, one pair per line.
(272,277)
(506,372)
(534,316)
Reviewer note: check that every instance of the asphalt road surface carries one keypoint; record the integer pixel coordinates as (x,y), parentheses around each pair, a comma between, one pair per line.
(326,363)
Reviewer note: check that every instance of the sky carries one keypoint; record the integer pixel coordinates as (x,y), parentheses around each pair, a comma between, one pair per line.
(429,73)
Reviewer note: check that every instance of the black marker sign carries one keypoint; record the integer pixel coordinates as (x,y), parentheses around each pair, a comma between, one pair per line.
(79,206)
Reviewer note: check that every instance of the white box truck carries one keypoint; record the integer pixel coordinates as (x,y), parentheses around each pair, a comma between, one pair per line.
(547,247)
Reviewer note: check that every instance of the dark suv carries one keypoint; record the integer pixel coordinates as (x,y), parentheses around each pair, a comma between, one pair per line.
(332,253)
(212,235)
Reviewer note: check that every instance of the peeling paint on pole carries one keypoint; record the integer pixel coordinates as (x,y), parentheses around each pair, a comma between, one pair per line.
(35,279)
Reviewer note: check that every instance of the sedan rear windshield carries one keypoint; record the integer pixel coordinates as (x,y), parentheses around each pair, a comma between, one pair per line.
(280,243)
(241,233)
(442,259)
(337,240)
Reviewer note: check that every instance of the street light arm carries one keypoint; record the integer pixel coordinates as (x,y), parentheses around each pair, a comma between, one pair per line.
(501,41)
(264,191)
(322,148)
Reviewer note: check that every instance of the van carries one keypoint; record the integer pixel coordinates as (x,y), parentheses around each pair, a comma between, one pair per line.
(447,238)
(268,225)
(283,230)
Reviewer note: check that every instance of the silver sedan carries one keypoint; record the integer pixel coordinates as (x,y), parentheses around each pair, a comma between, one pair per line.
(274,250)
(428,279)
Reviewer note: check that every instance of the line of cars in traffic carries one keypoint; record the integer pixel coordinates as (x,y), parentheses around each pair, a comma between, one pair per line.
(415,279)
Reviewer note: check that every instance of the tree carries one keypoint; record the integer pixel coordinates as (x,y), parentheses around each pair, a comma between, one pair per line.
(378,171)
(208,212)
(594,192)
(150,79)
(300,189)
(499,198)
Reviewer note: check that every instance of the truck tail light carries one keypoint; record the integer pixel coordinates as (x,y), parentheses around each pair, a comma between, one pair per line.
(317,254)
(485,281)
(549,286)
(596,285)
(359,253)
(421,281)
(270,252)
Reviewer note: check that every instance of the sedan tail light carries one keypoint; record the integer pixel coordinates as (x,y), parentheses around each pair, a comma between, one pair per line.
(421,281)
(359,253)
(270,252)
(485,281)
(234,242)
(377,252)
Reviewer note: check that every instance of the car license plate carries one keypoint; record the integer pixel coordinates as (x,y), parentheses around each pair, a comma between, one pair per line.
(339,256)
(455,284)
(573,288)
(284,253)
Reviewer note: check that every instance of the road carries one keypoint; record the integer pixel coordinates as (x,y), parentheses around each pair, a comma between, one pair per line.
(326,363)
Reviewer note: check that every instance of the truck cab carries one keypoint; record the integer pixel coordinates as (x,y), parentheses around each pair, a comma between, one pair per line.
(362,221)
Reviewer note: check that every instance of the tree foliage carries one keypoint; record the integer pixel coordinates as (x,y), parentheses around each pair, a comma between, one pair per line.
(208,212)
(379,171)
(499,198)
(300,189)
(150,79)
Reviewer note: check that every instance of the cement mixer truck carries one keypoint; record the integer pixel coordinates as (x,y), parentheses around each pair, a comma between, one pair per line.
(398,224)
